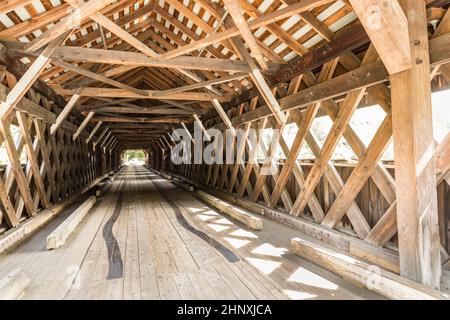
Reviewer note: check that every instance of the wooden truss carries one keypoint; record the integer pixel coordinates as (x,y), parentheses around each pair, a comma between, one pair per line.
(82,81)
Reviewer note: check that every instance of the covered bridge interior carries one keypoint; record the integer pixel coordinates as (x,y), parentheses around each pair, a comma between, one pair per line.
(83,82)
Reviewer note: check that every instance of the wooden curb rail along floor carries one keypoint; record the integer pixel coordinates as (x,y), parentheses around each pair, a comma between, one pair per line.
(182,185)
(14,284)
(239,214)
(357,271)
(59,236)
(21,232)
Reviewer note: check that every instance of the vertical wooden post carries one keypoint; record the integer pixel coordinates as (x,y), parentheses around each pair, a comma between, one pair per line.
(417,215)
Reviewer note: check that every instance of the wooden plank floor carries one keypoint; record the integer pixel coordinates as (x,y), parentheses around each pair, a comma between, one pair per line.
(147,239)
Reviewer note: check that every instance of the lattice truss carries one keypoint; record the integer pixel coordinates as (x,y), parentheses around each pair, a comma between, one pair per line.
(56,166)
(319,192)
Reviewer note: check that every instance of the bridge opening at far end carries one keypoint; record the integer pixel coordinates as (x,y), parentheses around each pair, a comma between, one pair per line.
(134,157)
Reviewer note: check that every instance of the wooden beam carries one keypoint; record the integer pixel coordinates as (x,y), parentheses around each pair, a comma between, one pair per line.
(27,80)
(386,227)
(349,105)
(91,135)
(355,38)
(343,44)
(442,158)
(107,144)
(136,59)
(16,166)
(359,176)
(106,139)
(387,27)
(54,15)
(235,11)
(203,84)
(297,171)
(144,94)
(9,5)
(258,80)
(301,6)
(65,112)
(112,72)
(32,157)
(202,127)
(59,236)
(23,231)
(365,76)
(380,176)
(198,21)
(187,132)
(242,215)
(317,25)
(252,152)
(10,216)
(417,214)
(83,125)
(269,98)
(443,28)
(163,147)
(354,270)
(94,75)
(268,162)
(102,34)
(274,28)
(69,22)
(116,142)
(138,119)
(114,28)
(223,115)
(100,137)
(300,177)
(141,110)
(184,29)
(187,12)
(240,151)
(303,128)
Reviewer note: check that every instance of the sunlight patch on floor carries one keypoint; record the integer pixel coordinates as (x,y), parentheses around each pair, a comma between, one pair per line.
(195,210)
(224,221)
(299,295)
(269,250)
(217,227)
(265,266)
(204,217)
(243,234)
(236,243)
(304,276)
(205,213)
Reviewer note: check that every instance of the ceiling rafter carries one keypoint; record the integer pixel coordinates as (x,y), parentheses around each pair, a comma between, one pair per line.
(150,30)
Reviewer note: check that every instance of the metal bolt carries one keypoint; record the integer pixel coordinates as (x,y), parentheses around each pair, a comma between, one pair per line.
(417,42)
(419,61)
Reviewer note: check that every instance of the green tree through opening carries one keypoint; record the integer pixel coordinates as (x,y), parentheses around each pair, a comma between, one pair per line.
(134,157)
